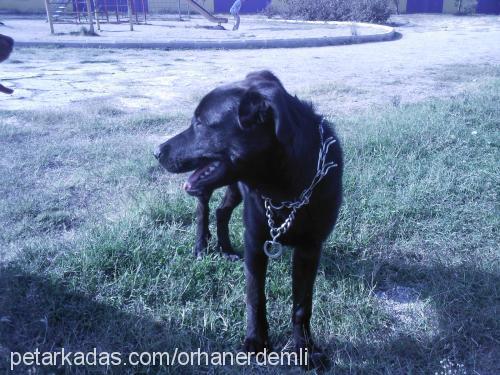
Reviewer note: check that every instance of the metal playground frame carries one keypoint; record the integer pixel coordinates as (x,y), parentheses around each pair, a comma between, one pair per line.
(106,11)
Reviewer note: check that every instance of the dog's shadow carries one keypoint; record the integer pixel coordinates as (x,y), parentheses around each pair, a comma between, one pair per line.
(461,300)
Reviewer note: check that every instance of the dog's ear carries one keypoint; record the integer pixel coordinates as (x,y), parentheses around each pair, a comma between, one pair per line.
(253,110)
(266,104)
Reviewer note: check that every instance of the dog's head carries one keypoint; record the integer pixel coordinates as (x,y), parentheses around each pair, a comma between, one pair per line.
(236,129)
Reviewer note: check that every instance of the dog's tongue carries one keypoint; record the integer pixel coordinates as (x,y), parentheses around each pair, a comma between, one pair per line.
(194,177)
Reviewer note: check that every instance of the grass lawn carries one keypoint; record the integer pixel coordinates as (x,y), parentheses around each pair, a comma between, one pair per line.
(97,243)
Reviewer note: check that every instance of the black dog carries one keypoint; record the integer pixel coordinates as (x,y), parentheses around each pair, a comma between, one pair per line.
(255,132)
(6,45)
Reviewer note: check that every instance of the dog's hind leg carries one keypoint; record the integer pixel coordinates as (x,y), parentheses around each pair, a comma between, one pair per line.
(202,231)
(232,198)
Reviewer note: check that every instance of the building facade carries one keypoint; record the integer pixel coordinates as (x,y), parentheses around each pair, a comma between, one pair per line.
(153,6)
(447,6)
(22,6)
(255,6)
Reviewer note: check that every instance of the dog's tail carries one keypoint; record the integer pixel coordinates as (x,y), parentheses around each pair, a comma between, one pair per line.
(5,90)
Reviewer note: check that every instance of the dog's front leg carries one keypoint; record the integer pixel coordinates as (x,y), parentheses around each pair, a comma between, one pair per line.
(255,272)
(202,231)
(305,266)
(232,198)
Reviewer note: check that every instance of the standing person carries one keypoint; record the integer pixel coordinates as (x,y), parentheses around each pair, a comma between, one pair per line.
(235,11)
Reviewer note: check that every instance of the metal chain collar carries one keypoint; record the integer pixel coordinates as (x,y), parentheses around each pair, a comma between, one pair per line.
(272,248)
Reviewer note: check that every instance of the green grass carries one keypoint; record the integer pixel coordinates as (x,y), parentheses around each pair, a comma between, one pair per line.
(99,243)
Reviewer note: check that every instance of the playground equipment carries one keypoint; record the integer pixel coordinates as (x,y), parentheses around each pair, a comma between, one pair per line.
(99,11)
(205,13)
(95,11)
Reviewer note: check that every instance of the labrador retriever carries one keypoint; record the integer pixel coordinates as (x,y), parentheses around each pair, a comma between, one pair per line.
(288,165)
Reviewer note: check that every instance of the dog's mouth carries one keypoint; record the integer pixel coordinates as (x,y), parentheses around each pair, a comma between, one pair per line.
(211,175)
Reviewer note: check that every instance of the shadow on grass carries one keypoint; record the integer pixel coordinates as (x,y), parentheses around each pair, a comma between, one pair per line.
(39,313)
(465,304)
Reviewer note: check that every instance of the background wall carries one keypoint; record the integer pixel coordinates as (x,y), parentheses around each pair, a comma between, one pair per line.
(171,6)
(249,6)
(155,6)
(25,6)
(449,6)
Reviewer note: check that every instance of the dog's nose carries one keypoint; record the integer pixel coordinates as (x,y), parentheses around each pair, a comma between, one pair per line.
(157,152)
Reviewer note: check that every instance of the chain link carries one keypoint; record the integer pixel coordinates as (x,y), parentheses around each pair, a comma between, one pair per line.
(321,170)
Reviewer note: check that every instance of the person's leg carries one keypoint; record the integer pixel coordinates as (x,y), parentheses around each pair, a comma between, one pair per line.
(236,21)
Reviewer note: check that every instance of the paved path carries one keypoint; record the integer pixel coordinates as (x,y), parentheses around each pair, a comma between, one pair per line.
(405,70)
(197,33)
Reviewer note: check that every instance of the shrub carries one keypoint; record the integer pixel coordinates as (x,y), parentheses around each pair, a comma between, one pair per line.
(337,10)
(370,10)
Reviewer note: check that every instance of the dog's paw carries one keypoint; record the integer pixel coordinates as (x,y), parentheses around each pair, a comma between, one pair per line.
(197,254)
(200,249)
(255,345)
(228,252)
(232,257)
(316,359)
